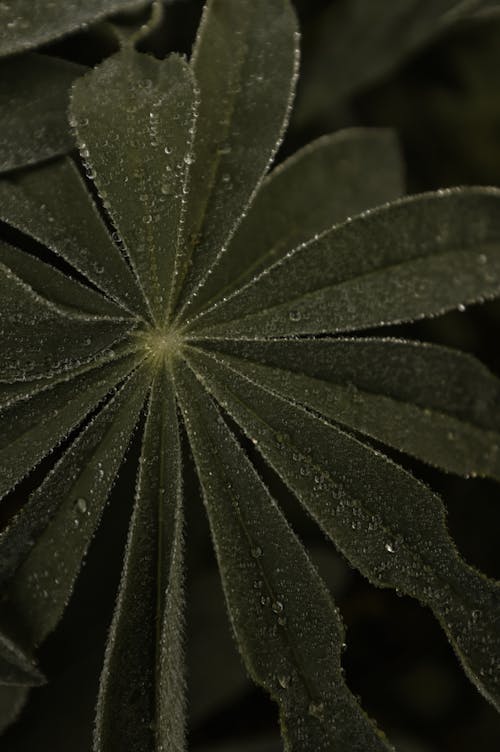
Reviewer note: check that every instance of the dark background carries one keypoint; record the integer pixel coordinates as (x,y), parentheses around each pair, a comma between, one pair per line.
(444,101)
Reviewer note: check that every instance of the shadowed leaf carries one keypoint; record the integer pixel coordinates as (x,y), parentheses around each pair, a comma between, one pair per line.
(32,428)
(149,105)
(24,26)
(388,524)
(238,45)
(141,700)
(417,257)
(439,405)
(289,632)
(65,219)
(34,98)
(328,181)
(56,526)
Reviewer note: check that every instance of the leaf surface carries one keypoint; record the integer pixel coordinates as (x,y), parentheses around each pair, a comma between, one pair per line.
(65,220)
(417,257)
(12,700)
(24,26)
(64,512)
(245,60)
(439,405)
(32,428)
(134,117)
(62,340)
(387,523)
(359,41)
(56,287)
(34,97)
(16,668)
(323,184)
(287,627)
(141,699)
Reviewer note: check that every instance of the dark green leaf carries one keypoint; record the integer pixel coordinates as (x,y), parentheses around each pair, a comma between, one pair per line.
(27,25)
(12,700)
(34,97)
(388,524)
(56,287)
(37,337)
(65,511)
(17,391)
(325,183)
(436,404)
(358,41)
(32,428)
(141,700)
(65,219)
(287,627)
(134,117)
(16,668)
(414,258)
(245,61)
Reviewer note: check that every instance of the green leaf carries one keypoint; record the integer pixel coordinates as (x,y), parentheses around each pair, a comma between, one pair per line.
(63,340)
(56,287)
(32,428)
(141,699)
(34,97)
(66,220)
(24,26)
(17,391)
(439,405)
(245,61)
(68,507)
(358,41)
(417,257)
(16,668)
(12,700)
(134,117)
(323,184)
(288,630)
(388,524)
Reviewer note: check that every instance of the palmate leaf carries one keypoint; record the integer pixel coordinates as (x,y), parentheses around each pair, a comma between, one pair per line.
(184,288)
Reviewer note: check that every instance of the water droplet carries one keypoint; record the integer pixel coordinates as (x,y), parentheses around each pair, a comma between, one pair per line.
(284,681)
(81,505)
(461,307)
(295,316)
(277,607)
(167,150)
(390,548)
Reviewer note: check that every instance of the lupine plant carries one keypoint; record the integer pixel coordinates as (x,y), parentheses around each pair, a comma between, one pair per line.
(192,295)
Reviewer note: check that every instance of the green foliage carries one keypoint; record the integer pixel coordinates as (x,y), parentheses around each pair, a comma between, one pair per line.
(201,305)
